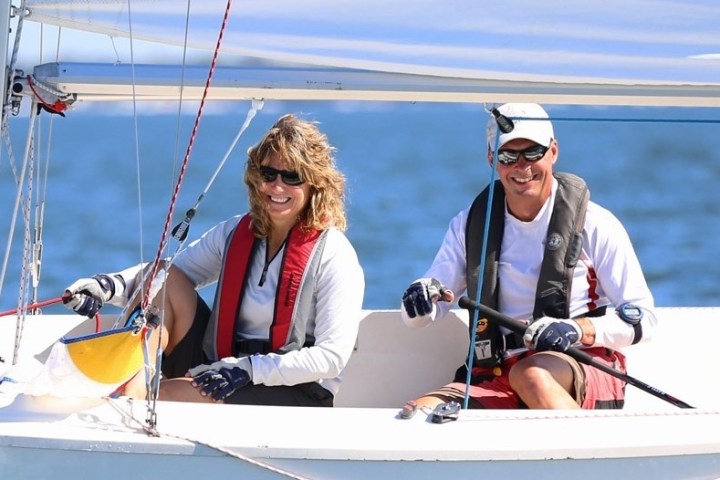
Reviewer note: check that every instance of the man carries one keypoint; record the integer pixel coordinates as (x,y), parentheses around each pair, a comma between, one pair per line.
(550,257)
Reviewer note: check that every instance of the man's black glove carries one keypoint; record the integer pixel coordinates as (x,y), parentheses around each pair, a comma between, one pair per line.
(418,299)
(554,334)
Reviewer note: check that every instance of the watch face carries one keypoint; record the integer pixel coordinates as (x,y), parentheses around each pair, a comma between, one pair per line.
(631,313)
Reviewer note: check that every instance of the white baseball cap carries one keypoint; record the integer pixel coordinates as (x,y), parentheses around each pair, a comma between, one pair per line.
(531,122)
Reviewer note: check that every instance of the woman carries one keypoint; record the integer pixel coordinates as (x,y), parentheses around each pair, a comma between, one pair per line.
(290,287)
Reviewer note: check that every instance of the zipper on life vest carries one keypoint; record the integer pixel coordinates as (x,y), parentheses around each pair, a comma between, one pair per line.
(268,261)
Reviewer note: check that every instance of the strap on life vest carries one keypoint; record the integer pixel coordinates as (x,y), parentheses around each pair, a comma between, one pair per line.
(233,284)
(298,249)
(562,247)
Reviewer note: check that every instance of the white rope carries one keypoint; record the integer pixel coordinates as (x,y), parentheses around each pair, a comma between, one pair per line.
(255,106)
(239,456)
(129,419)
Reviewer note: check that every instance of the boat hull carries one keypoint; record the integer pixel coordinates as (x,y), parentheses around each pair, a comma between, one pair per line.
(363,436)
(110,440)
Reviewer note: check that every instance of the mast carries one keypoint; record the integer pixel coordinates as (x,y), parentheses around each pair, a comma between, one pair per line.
(4,43)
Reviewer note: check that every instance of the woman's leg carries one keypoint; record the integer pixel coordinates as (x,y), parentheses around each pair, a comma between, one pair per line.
(176,303)
(181,390)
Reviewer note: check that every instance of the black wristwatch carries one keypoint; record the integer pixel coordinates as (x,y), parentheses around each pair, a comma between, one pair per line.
(633,315)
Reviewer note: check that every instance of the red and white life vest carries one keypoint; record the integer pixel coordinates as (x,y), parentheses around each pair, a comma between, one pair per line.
(293,297)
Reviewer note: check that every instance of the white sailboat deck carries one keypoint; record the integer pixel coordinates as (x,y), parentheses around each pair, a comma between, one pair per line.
(364,435)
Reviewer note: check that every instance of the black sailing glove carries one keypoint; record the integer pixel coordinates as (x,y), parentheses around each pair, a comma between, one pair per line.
(554,334)
(222,378)
(418,299)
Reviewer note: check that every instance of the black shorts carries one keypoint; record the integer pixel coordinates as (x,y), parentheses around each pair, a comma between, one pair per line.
(302,395)
(189,353)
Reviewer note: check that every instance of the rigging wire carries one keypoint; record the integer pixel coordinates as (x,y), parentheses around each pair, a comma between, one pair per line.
(152,382)
(136,131)
(166,227)
(19,326)
(21,12)
(13,167)
(181,230)
(27,193)
(6,105)
(504,125)
(141,319)
(27,267)
(183,64)
(34,217)
(40,212)
(152,277)
(636,120)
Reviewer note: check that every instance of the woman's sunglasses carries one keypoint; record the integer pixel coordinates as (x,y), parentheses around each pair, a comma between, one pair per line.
(531,154)
(269,174)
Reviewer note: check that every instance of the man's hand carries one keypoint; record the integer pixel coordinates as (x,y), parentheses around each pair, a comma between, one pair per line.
(554,334)
(222,378)
(418,299)
(87,295)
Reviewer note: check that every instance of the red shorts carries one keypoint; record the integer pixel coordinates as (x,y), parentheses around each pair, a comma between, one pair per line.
(594,389)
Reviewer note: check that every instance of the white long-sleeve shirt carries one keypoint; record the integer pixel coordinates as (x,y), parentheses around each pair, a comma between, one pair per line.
(337,305)
(608,272)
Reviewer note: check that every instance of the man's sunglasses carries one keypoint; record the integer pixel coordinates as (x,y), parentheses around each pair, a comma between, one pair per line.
(531,154)
(269,174)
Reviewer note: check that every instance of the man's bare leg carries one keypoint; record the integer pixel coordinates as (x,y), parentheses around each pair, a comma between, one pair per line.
(544,381)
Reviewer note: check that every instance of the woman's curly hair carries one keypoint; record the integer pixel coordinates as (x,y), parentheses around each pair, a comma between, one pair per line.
(306,150)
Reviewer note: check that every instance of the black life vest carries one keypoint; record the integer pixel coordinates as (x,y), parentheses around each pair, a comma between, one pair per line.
(563,245)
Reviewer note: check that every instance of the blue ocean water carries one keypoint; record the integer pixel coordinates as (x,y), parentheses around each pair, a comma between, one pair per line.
(409,168)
